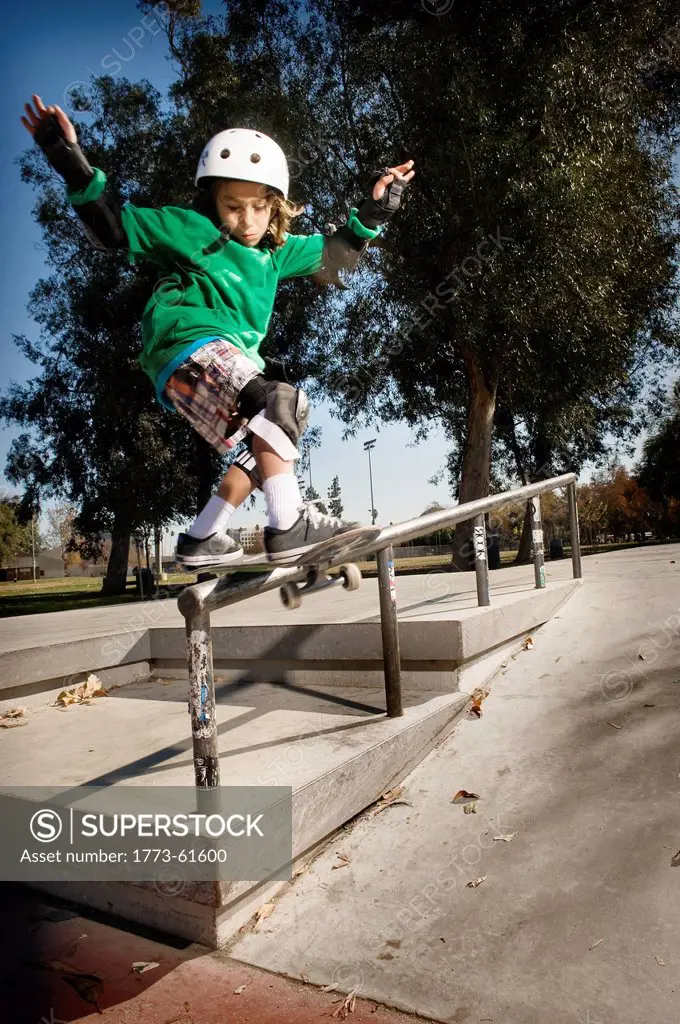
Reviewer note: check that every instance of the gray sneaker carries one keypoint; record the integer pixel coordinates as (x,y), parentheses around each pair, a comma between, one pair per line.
(217,549)
(312,527)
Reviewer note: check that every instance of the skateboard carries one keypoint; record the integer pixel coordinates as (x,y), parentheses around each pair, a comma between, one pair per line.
(341,552)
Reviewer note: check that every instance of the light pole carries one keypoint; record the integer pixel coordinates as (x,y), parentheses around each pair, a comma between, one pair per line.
(368,447)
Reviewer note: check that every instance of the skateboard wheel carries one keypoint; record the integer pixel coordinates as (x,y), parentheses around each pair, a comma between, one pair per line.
(351,575)
(290,595)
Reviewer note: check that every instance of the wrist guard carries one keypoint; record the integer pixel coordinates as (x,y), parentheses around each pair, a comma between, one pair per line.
(374,212)
(66,157)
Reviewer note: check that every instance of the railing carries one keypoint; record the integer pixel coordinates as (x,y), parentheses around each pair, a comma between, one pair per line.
(197,602)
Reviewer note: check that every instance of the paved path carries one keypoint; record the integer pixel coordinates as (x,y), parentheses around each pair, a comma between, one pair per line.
(578,918)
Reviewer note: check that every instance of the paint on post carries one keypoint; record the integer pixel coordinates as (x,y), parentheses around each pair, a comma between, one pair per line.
(537,536)
(542,575)
(202,709)
(480,543)
(393,581)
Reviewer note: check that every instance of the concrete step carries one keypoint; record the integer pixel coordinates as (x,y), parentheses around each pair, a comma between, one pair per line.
(436,641)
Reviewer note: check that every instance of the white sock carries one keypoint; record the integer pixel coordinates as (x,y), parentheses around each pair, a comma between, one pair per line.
(215,516)
(283,498)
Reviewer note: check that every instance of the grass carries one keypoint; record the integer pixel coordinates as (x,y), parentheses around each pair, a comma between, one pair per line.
(53,595)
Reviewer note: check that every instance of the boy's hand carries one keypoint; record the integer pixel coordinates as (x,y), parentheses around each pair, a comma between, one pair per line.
(41,113)
(399,172)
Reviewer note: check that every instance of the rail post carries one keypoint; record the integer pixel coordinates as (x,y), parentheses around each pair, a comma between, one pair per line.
(390,632)
(202,700)
(574,531)
(537,541)
(481,564)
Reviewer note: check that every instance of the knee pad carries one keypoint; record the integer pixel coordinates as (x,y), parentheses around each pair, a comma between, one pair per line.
(277,413)
(246,462)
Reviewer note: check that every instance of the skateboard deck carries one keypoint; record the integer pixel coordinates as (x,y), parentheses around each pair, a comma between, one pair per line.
(344,547)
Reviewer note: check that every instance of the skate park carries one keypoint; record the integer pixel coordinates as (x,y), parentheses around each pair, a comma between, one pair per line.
(279,275)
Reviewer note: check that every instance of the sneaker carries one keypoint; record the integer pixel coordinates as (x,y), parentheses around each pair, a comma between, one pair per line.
(217,549)
(310,528)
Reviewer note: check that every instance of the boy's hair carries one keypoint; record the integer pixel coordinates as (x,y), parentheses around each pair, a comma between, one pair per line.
(283,211)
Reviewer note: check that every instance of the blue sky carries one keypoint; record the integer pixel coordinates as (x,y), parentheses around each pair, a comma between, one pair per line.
(45,49)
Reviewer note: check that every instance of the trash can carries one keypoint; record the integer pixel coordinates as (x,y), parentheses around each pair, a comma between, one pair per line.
(493,550)
(556,548)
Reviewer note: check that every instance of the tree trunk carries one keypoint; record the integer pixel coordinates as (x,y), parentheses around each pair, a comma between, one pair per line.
(115,580)
(523,556)
(476,468)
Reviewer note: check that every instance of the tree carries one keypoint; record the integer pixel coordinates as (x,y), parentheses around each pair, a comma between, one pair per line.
(659,469)
(101,442)
(311,494)
(17,536)
(335,505)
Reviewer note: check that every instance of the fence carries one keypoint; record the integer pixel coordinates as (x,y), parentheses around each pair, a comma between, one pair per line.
(197,602)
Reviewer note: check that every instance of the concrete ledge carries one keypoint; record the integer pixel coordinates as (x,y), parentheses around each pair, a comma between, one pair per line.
(433,649)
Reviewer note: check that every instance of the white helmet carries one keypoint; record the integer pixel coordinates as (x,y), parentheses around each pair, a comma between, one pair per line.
(244,155)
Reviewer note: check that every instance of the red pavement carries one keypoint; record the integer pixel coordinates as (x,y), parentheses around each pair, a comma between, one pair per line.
(59,967)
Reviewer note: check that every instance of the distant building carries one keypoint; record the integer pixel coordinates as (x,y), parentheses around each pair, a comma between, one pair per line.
(250,538)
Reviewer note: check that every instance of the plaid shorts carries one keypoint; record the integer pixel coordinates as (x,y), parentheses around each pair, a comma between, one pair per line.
(205,387)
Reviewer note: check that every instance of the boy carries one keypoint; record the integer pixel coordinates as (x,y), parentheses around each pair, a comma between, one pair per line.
(220,261)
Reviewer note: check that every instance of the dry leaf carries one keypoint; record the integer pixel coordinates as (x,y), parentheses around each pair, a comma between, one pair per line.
(265,910)
(14,713)
(329,988)
(344,861)
(596,944)
(305,978)
(659,961)
(529,644)
(240,989)
(470,808)
(675,861)
(92,687)
(462,796)
(11,723)
(475,882)
(641,656)
(506,839)
(301,870)
(614,726)
(140,966)
(346,1006)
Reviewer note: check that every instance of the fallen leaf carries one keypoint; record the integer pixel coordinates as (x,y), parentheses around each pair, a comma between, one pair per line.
(11,723)
(301,870)
(385,956)
(462,796)
(642,657)
(344,861)
(506,839)
(140,966)
(14,713)
(675,861)
(659,961)
(329,988)
(475,882)
(470,808)
(92,687)
(596,944)
(265,910)
(529,644)
(649,705)
(240,989)
(346,1006)
(305,978)
(614,726)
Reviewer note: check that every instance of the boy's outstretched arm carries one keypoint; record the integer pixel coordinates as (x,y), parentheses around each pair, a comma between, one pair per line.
(56,136)
(345,247)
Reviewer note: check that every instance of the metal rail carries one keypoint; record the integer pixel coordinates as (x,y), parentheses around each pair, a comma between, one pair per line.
(197,602)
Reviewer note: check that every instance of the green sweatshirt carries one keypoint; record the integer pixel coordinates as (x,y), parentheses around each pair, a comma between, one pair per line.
(200,296)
